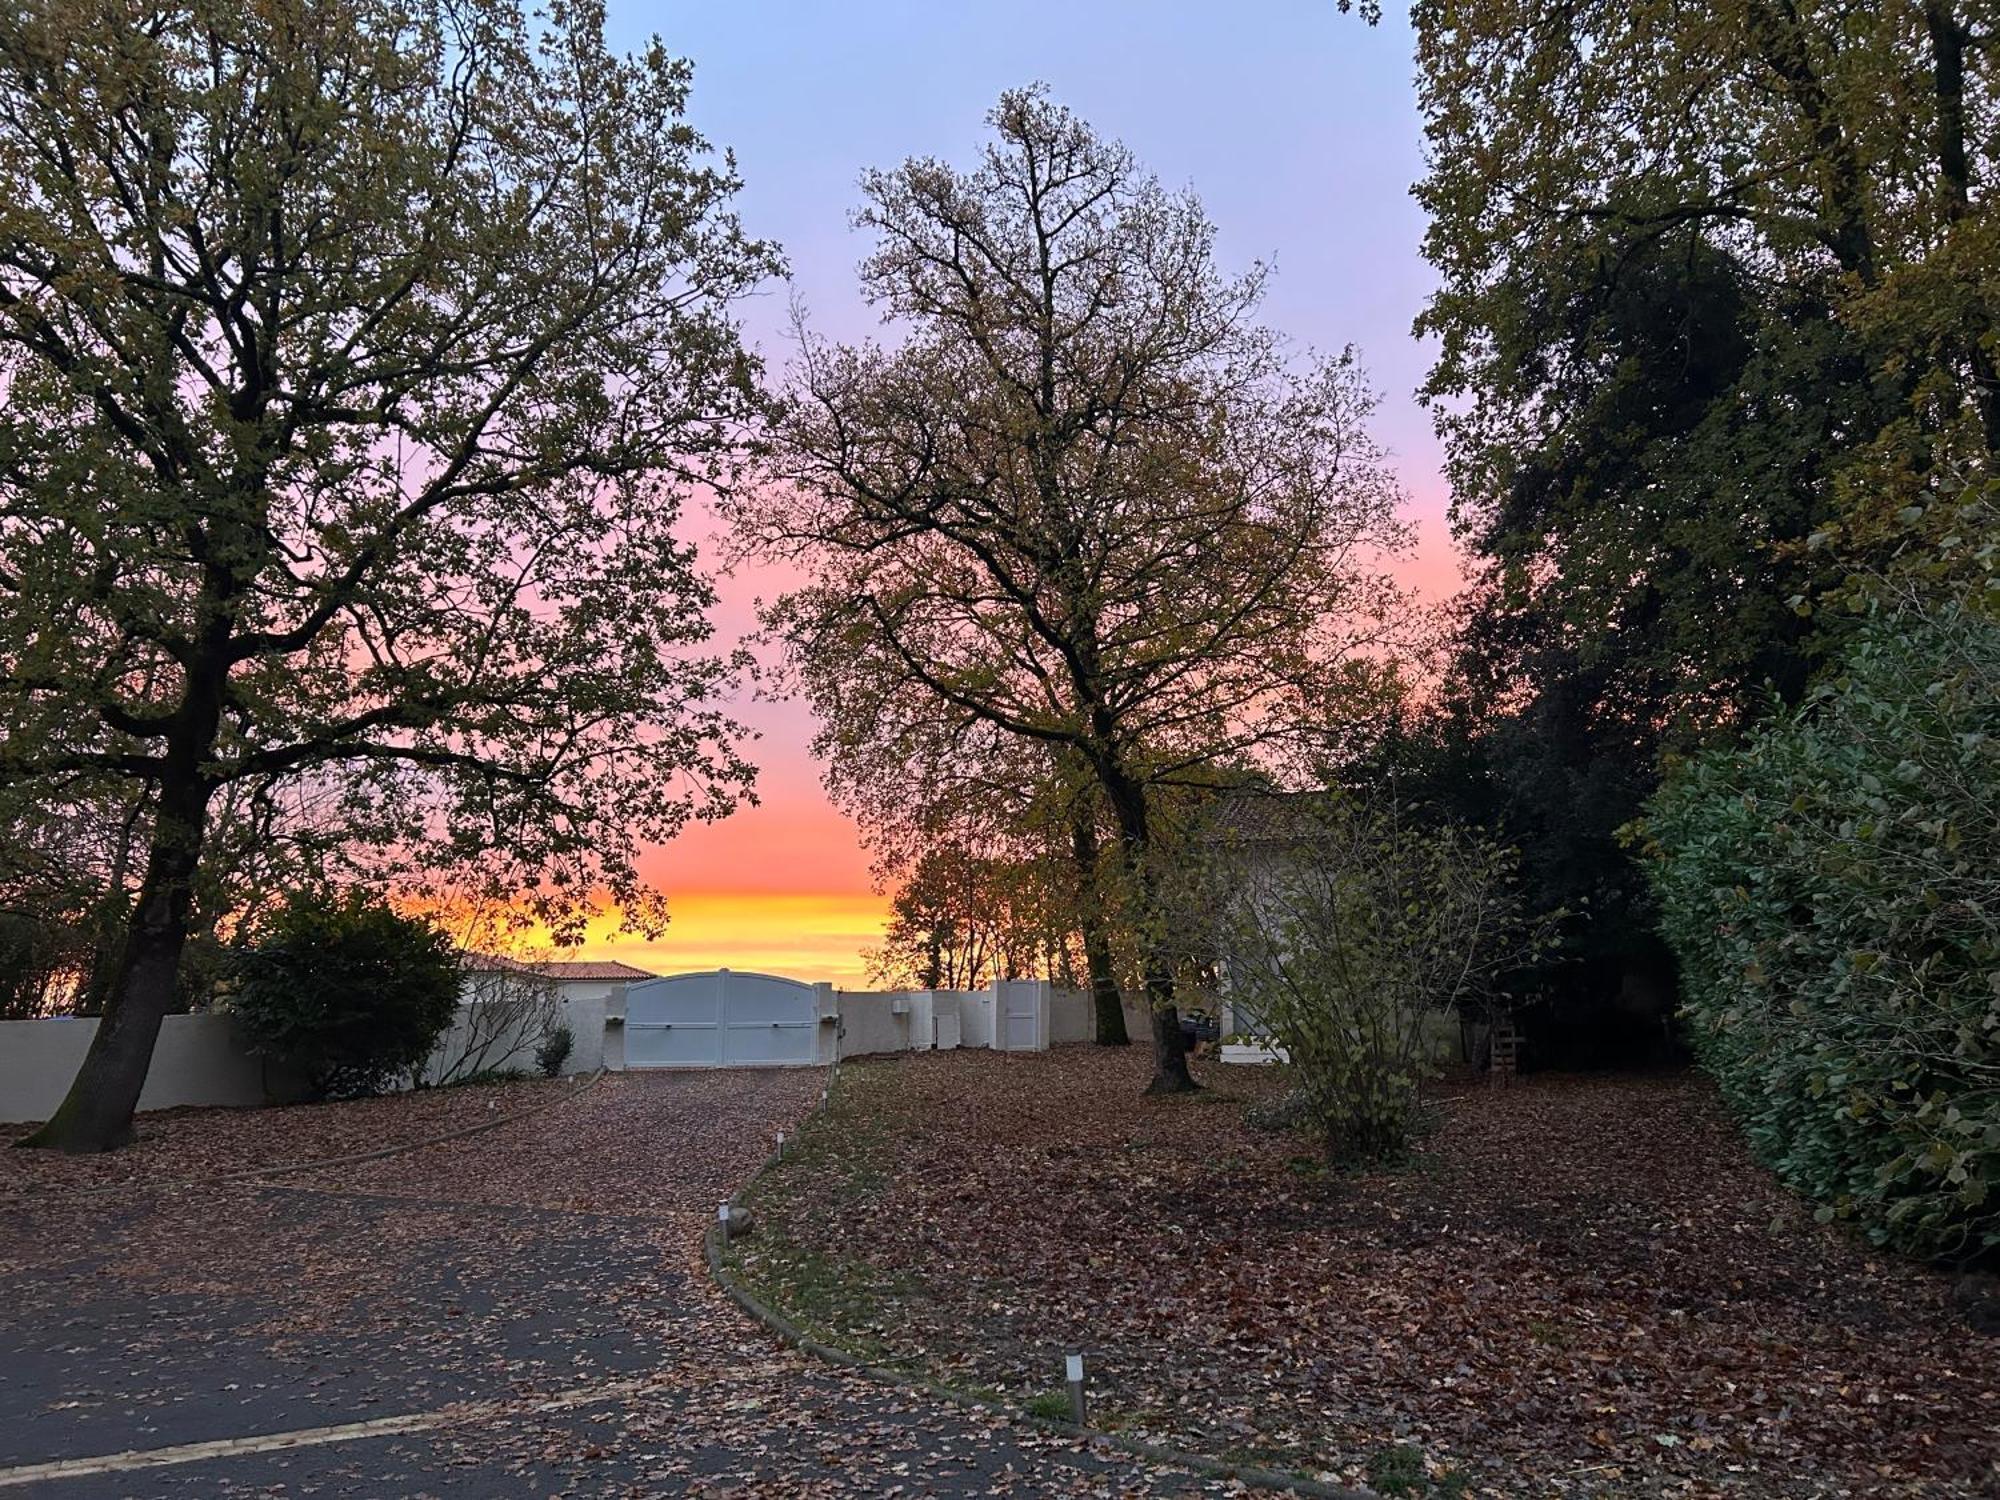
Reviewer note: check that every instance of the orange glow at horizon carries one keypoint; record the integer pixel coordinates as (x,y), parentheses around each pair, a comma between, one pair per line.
(783,887)
(801,935)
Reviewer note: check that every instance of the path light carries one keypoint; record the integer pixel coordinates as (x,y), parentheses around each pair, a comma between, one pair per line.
(1073,1375)
(781,1143)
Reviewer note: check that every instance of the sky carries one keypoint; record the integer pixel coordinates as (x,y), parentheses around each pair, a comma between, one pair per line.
(1296,126)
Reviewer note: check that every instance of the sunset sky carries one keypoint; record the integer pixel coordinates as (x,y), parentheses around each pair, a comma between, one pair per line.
(1296,125)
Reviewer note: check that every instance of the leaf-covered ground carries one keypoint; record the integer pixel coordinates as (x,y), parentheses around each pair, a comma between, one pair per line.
(526,1308)
(184,1144)
(1578,1285)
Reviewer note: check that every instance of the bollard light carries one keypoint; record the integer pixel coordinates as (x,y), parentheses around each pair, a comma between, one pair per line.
(1073,1376)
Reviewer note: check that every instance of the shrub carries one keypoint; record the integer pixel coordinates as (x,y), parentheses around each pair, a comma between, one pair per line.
(506,1010)
(349,993)
(1350,938)
(1832,889)
(554,1050)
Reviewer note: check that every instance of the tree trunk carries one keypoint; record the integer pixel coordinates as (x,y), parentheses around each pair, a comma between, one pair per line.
(96,1114)
(1128,806)
(1170,1067)
(108,918)
(1108,1003)
(1948,36)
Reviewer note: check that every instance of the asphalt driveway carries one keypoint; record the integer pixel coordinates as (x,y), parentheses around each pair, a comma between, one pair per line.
(521,1312)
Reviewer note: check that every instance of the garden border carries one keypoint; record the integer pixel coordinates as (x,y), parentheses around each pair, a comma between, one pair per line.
(354,1158)
(1251,1476)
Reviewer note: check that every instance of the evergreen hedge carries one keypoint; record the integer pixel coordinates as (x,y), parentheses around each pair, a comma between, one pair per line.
(1832,890)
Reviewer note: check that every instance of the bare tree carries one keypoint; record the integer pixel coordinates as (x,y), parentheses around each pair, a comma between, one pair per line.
(507,1007)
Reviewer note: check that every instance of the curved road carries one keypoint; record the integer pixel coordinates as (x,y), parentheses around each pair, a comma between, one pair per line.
(520,1313)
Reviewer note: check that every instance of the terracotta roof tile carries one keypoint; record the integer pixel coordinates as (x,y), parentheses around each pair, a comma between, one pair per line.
(564,968)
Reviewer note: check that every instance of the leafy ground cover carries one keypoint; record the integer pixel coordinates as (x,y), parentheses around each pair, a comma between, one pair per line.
(1577,1285)
(539,1288)
(180,1144)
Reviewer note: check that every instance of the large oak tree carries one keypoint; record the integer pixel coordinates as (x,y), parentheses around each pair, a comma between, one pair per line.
(355,356)
(1716,309)
(1084,500)
(1715,280)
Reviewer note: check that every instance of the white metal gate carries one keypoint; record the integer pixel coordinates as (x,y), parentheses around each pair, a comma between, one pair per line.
(721,1020)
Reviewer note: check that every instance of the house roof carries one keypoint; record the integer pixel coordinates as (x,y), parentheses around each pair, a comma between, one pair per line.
(1260,817)
(585,968)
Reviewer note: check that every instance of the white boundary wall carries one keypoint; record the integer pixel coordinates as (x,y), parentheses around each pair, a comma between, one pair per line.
(201,1061)
(1071,1018)
(873,1022)
(198,1060)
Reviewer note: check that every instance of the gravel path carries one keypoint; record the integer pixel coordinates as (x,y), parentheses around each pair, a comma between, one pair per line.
(531,1301)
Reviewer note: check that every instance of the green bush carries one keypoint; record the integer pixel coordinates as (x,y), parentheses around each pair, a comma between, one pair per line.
(348,993)
(554,1049)
(1349,939)
(1832,889)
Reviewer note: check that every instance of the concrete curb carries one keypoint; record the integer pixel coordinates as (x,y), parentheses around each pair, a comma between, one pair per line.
(1249,1475)
(312,1165)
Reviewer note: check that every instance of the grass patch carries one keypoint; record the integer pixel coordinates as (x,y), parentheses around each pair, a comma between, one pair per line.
(839,1153)
(835,1299)
(1051,1406)
(484,1077)
(1401,1471)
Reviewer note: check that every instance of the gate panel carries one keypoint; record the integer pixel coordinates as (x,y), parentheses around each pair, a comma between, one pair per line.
(1022,1023)
(767,1021)
(719,1019)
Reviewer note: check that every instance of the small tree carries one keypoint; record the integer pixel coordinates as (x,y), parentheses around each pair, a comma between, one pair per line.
(350,994)
(554,1049)
(1350,937)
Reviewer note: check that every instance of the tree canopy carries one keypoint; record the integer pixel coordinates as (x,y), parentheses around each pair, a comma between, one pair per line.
(1715,316)
(1085,501)
(356,356)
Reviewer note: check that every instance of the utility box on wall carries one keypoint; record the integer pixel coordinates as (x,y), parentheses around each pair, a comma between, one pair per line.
(946,1026)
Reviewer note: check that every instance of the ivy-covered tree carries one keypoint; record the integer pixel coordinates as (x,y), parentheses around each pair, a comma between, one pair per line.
(355,356)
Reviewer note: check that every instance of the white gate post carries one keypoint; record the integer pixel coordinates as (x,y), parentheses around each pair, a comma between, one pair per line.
(827,1008)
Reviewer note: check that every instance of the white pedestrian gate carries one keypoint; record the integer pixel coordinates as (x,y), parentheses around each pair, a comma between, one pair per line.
(1023,1011)
(721,1020)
